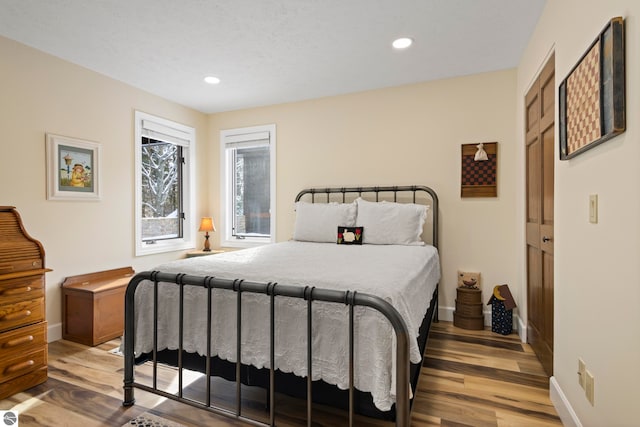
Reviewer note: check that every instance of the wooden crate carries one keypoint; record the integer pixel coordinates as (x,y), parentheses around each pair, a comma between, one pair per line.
(93,306)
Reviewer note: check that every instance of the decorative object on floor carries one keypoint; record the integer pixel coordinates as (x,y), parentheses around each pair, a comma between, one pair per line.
(502,305)
(479,170)
(468,280)
(93,305)
(206,225)
(73,168)
(149,420)
(592,96)
(468,314)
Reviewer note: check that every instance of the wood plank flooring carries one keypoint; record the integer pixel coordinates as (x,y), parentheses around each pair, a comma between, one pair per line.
(469,378)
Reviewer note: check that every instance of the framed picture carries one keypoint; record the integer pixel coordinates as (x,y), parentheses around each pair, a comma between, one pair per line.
(479,170)
(591,97)
(73,168)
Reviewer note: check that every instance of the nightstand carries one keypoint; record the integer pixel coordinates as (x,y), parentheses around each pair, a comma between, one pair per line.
(200,252)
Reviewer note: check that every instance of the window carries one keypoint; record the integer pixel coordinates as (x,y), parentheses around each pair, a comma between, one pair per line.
(165,205)
(248,185)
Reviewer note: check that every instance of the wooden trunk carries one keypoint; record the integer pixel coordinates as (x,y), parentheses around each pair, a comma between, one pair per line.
(23,328)
(93,306)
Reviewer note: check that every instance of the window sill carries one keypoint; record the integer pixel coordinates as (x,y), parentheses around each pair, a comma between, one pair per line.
(245,243)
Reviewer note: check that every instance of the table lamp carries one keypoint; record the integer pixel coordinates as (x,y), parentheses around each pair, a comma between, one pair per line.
(206,225)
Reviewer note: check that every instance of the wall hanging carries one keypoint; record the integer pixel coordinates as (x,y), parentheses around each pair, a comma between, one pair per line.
(73,168)
(591,97)
(479,170)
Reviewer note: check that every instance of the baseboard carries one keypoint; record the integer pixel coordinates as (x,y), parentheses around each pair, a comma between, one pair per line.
(54,332)
(522,330)
(562,405)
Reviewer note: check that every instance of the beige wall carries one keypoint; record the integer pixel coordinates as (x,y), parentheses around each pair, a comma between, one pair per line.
(40,94)
(597,290)
(403,135)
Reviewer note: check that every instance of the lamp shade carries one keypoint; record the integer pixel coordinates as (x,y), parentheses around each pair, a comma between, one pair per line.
(206,224)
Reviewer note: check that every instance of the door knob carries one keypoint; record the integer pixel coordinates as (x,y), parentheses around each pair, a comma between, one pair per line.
(546,239)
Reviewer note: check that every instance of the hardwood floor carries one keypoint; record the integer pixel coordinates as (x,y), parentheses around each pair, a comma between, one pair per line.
(469,378)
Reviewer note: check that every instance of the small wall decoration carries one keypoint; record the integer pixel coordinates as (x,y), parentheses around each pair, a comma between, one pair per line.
(479,170)
(591,97)
(73,168)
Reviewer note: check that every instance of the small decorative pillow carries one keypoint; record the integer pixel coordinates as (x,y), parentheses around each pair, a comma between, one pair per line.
(317,222)
(350,235)
(390,223)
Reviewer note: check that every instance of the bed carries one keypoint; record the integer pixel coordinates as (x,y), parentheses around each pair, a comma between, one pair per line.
(367,306)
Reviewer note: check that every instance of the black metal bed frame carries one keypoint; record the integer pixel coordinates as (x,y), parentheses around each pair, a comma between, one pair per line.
(273,290)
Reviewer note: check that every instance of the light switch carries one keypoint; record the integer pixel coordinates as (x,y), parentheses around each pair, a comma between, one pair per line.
(593,208)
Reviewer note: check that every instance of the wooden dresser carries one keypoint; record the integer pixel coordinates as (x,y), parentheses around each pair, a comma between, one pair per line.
(23,328)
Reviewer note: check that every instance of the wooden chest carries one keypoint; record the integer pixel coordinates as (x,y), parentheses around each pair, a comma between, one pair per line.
(93,306)
(23,329)
(468,314)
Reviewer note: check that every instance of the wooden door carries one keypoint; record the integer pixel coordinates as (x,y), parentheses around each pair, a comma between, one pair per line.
(540,143)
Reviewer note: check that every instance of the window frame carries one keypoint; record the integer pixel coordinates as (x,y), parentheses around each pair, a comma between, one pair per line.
(226,192)
(171,130)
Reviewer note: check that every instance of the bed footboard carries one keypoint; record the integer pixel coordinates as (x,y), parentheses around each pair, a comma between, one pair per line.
(273,290)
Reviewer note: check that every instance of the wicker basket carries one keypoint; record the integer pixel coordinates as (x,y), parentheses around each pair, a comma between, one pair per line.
(469,309)
(468,322)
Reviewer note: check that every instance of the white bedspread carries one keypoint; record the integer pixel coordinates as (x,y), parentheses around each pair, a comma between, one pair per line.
(405,276)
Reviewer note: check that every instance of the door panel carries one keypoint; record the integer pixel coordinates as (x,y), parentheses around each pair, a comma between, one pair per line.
(539,152)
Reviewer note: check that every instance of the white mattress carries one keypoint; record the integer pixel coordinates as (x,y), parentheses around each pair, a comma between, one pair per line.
(405,276)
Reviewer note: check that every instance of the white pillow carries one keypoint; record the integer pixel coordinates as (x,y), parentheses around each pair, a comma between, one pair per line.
(318,222)
(388,223)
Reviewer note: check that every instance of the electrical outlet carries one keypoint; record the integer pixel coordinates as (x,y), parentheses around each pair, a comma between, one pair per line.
(589,386)
(582,367)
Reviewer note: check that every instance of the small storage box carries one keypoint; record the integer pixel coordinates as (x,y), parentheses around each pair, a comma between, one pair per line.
(468,314)
(468,322)
(470,309)
(93,306)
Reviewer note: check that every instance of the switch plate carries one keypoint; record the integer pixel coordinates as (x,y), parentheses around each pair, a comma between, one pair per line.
(593,208)
(582,367)
(589,386)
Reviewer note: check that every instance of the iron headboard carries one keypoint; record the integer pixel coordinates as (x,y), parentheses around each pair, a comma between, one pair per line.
(377,190)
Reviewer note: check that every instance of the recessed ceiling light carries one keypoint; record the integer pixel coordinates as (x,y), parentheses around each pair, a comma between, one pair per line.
(402,43)
(212,80)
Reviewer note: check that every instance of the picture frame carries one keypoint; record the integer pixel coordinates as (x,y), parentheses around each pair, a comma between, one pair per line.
(592,96)
(479,177)
(73,168)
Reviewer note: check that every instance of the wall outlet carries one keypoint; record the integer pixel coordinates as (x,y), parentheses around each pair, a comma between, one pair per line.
(582,368)
(589,386)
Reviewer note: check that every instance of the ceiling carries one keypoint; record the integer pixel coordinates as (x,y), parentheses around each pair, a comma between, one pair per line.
(273,51)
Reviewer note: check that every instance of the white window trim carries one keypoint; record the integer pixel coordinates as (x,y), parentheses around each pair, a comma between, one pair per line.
(185,136)
(226,213)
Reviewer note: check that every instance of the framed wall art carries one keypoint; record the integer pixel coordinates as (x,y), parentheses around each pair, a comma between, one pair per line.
(73,168)
(592,96)
(479,170)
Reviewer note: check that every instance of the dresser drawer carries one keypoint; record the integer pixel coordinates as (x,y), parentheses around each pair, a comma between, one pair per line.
(21,289)
(22,363)
(22,339)
(21,313)
(19,264)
